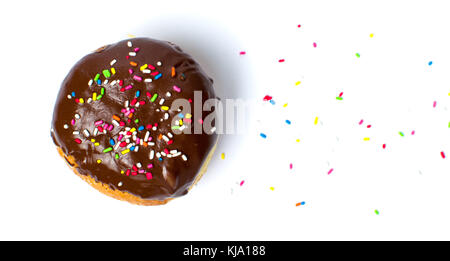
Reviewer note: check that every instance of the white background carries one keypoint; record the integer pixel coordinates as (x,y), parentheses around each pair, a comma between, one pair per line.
(391,86)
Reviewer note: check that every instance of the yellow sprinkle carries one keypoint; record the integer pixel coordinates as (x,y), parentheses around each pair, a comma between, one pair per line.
(181,122)
(297,140)
(131,35)
(143,67)
(449,94)
(92,140)
(188,115)
(113,70)
(223,155)
(297,83)
(125,151)
(81,100)
(122,172)
(164,108)
(94,96)
(133,130)
(97,144)
(285,105)
(272,188)
(371,35)
(366,138)
(99,161)
(316,120)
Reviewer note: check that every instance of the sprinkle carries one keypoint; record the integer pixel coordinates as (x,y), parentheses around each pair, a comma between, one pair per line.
(223,156)
(81,100)
(339,98)
(242,53)
(96,77)
(329,172)
(413,132)
(113,62)
(77,116)
(113,70)
(154,97)
(267,98)
(401,133)
(263,135)
(366,138)
(158,76)
(99,161)
(298,83)
(281,61)
(371,35)
(361,122)
(159,63)
(297,140)
(442,155)
(377,212)
(129,44)
(434,104)
(300,203)
(164,108)
(242,183)
(316,120)
(384,146)
(358,55)
(290,166)
(107,149)
(314,44)
(67,126)
(184,157)
(272,188)
(430,63)
(148,80)
(78,141)
(125,151)
(148,175)
(369,126)
(288,122)
(176,88)
(86,133)
(106,73)
(134,64)
(90,82)
(173,72)
(137,78)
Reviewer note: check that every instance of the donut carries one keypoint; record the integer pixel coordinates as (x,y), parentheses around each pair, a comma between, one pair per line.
(115,125)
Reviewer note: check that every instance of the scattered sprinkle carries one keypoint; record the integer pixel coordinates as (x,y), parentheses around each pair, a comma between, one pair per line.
(300,203)
(430,63)
(281,61)
(366,138)
(314,44)
(377,212)
(290,166)
(442,155)
(316,120)
(384,146)
(331,170)
(358,55)
(272,188)
(371,35)
(222,155)
(288,122)
(401,133)
(298,83)
(263,135)
(434,104)
(242,53)
(242,183)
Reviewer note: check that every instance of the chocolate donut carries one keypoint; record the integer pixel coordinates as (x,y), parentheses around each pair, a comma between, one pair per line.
(114,124)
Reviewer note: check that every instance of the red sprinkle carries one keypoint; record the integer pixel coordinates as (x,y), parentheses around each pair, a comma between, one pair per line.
(368,126)
(384,146)
(78,141)
(242,53)
(242,183)
(299,25)
(361,122)
(442,154)
(281,60)
(267,98)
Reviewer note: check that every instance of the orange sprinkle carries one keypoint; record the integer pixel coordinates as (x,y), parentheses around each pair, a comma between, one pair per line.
(130,115)
(116,117)
(133,64)
(173,71)
(145,144)
(160,136)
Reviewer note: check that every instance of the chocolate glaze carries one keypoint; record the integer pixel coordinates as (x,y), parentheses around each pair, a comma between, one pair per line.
(170,176)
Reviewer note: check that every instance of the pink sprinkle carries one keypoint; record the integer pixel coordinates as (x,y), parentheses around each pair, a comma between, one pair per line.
(120,137)
(242,53)
(148,175)
(290,166)
(141,171)
(136,49)
(110,127)
(128,87)
(154,73)
(442,154)
(132,110)
(299,25)
(176,88)
(281,60)
(242,183)
(201,121)
(149,166)
(133,102)
(130,71)
(340,95)
(138,140)
(314,45)
(434,104)
(360,122)
(79,141)
(329,172)
(137,78)
(187,120)
(368,126)
(100,122)
(128,172)
(72,122)
(151,67)
(412,132)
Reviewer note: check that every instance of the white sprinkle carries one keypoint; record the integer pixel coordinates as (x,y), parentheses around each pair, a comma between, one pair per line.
(163,153)
(136,149)
(130,145)
(148,80)
(129,44)
(139,165)
(132,54)
(161,101)
(168,94)
(151,144)
(127,128)
(184,157)
(154,128)
(137,105)
(89,100)
(152,154)
(114,82)
(170,135)
(134,138)
(176,154)
(159,63)
(127,140)
(117,146)
(146,71)
(173,151)
(126,103)
(95,132)
(213,129)
(116,123)
(146,136)
(113,62)
(75,132)
(86,133)
(158,155)
(66,126)
(165,138)
(141,142)
(182,128)
(77,116)
(91,81)
(120,184)
(69,97)
(106,81)
(166,116)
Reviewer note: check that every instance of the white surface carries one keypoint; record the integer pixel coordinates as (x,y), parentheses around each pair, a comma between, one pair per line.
(391,87)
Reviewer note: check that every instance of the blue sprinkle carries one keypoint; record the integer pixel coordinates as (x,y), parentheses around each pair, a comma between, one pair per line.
(302,203)
(263,135)
(73,94)
(288,122)
(138,93)
(99,81)
(430,63)
(160,159)
(132,148)
(141,128)
(158,76)
(112,142)
(272,101)
(181,115)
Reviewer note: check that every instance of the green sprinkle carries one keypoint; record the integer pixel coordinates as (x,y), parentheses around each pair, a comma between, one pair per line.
(106,73)
(449,124)
(175,127)
(99,97)
(107,149)
(401,133)
(339,98)
(357,55)
(102,91)
(377,212)
(96,77)
(136,120)
(117,156)
(154,97)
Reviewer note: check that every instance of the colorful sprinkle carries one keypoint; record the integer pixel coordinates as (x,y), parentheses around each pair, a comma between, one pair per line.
(263,135)
(242,53)
(314,44)
(223,155)
(442,155)
(377,212)
(430,63)
(401,133)
(331,170)
(288,122)
(316,120)
(358,55)
(242,183)
(281,61)
(300,203)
